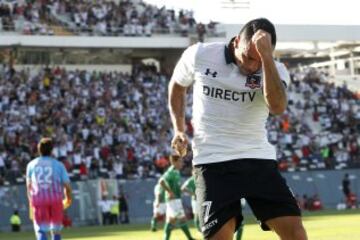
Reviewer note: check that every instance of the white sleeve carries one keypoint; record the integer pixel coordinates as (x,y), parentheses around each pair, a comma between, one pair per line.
(184,70)
(283,73)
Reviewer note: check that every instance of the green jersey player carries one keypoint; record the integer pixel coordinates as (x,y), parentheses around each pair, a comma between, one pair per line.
(171,182)
(159,207)
(189,188)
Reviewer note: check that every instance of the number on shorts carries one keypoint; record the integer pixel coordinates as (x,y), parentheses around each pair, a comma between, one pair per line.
(207,206)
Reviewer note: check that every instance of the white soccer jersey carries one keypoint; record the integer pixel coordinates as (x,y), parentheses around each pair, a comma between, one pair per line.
(229,110)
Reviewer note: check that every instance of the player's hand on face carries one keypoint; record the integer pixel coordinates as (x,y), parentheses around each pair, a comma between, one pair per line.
(179,143)
(262,43)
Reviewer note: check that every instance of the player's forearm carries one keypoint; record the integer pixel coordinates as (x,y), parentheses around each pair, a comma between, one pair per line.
(184,189)
(157,198)
(28,187)
(177,103)
(68,192)
(274,92)
(187,191)
(165,186)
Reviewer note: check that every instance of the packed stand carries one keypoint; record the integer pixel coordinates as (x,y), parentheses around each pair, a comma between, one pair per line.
(106,18)
(128,18)
(28,17)
(320,128)
(117,125)
(105,124)
(7,22)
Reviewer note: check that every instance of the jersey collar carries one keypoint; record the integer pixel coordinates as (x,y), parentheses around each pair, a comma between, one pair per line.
(229,52)
(45,157)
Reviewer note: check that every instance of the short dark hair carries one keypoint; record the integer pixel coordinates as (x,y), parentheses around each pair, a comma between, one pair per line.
(250,28)
(45,146)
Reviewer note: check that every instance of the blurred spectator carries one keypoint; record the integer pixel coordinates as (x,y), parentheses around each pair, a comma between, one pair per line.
(316,203)
(350,197)
(6,16)
(346,186)
(105,206)
(114,210)
(201,31)
(351,201)
(15,222)
(306,202)
(124,209)
(309,203)
(211,28)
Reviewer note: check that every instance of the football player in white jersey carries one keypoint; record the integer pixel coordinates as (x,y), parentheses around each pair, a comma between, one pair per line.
(236,86)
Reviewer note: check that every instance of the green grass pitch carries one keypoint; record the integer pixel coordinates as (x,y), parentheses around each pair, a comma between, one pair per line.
(325,225)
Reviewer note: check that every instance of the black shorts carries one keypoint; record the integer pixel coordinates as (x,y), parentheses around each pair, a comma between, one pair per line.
(219,187)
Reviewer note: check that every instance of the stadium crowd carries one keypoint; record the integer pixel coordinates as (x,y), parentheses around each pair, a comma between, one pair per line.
(117,125)
(320,128)
(130,18)
(105,18)
(30,17)
(111,121)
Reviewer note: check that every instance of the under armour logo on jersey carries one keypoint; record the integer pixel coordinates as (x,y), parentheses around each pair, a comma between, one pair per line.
(209,72)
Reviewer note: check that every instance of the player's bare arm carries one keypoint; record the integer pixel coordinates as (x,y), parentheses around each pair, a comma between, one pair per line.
(157,199)
(28,188)
(187,191)
(68,193)
(166,188)
(177,96)
(274,92)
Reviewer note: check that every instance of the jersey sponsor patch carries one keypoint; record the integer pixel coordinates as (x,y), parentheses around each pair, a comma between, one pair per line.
(227,94)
